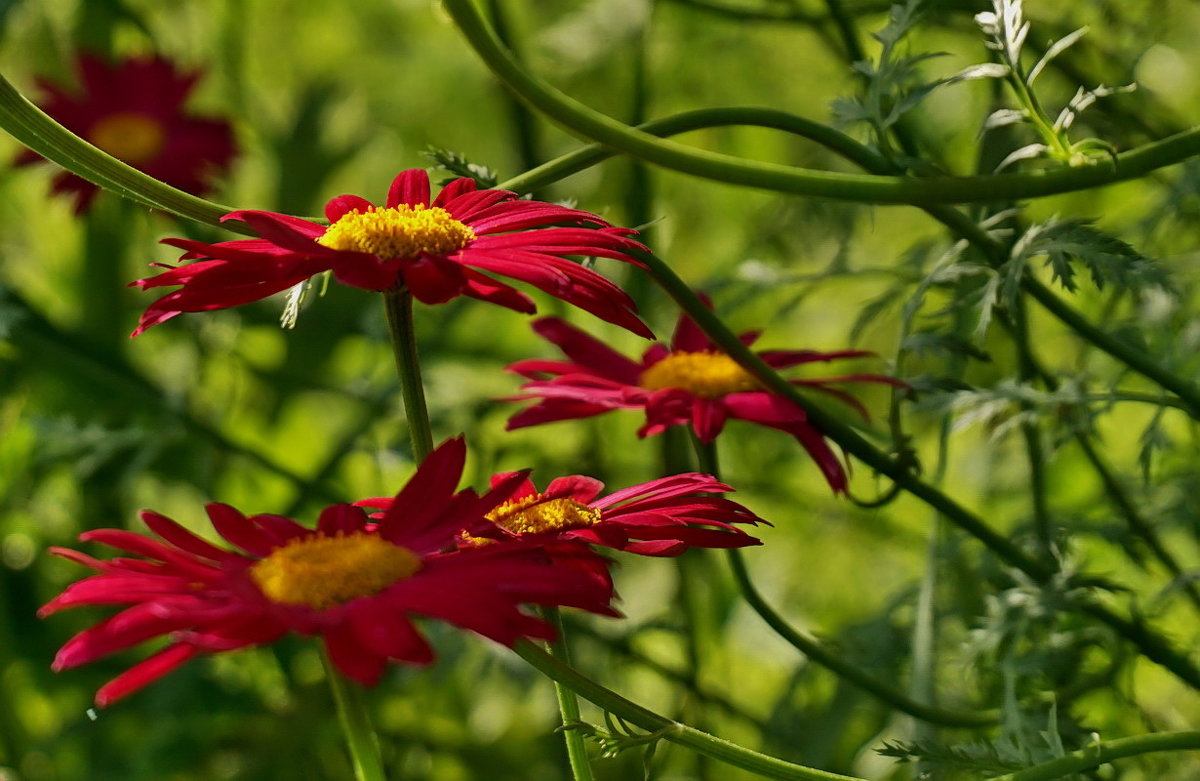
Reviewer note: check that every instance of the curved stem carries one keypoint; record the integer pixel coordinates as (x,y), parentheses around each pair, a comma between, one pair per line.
(36,130)
(712,746)
(812,648)
(398,306)
(596,126)
(1152,645)
(808,645)
(568,705)
(1100,753)
(356,724)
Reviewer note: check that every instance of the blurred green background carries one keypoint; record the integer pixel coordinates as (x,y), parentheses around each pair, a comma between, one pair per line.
(329,98)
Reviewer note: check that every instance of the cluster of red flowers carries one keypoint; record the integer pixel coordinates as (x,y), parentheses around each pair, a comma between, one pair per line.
(359,578)
(356,582)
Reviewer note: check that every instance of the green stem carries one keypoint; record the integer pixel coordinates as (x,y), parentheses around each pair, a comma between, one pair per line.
(1032,435)
(1100,753)
(635,714)
(568,704)
(1137,359)
(356,724)
(836,662)
(591,124)
(706,454)
(399,307)
(36,130)
(1152,645)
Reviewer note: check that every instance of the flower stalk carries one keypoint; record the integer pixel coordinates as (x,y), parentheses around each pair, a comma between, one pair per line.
(398,306)
(361,740)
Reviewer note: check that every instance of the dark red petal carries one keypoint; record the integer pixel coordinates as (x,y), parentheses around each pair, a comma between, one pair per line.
(237,529)
(180,537)
(388,632)
(708,418)
(453,190)
(425,496)
(340,519)
(575,487)
(344,204)
(588,352)
(354,659)
(143,673)
(409,187)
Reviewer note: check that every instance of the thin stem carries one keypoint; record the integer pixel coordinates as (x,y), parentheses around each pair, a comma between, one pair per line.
(1032,435)
(399,308)
(1153,646)
(1100,753)
(1137,359)
(835,662)
(706,454)
(356,724)
(635,714)
(36,130)
(599,127)
(568,705)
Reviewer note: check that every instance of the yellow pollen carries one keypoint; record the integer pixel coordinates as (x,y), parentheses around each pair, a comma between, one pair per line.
(536,514)
(400,232)
(131,137)
(707,375)
(321,571)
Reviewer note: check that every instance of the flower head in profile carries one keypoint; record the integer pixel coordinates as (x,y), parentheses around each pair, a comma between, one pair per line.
(691,382)
(663,517)
(353,582)
(133,109)
(437,250)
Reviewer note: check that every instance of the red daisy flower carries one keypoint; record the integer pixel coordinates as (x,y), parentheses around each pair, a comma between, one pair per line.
(692,381)
(133,109)
(435,250)
(663,517)
(353,582)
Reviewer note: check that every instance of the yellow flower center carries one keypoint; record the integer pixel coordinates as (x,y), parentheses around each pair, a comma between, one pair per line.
(534,514)
(321,571)
(400,232)
(131,137)
(707,375)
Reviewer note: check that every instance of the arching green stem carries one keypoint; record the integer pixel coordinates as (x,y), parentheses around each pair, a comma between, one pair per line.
(712,746)
(356,724)
(1152,645)
(811,647)
(595,126)
(1101,753)
(36,130)
(398,306)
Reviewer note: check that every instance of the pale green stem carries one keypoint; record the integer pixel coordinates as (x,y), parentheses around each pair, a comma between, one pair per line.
(812,648)
(1152,645)
(568,704)
(356,724)
(398,305)
(635,714)
(1101,753)
(599,127)
(36,130)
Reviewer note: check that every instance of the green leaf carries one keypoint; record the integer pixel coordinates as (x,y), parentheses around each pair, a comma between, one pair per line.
(1107,258)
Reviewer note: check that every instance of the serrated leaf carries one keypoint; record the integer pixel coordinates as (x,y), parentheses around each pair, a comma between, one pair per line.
(1107,258)
(922,342)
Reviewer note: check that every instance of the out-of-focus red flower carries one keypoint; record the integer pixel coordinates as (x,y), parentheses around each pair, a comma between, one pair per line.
(691,382)
(353,582)
(437,250)
(663,517)
(133,109)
